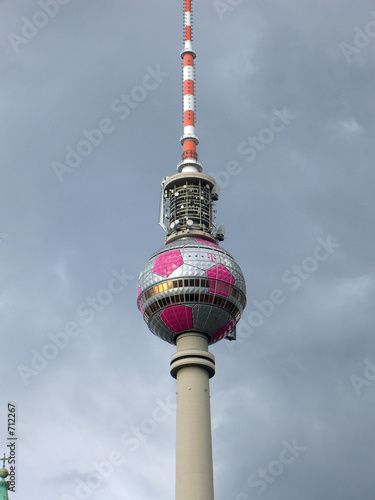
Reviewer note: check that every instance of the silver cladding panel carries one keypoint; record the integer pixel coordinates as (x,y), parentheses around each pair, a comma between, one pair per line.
(192,258)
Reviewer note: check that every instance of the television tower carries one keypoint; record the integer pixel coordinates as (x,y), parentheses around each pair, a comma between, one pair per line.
(191,292)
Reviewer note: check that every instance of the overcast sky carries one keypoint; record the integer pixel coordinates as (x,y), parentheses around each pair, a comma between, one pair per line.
(285,95)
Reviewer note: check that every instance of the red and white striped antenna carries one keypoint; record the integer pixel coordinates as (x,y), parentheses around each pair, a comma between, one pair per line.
(189,140)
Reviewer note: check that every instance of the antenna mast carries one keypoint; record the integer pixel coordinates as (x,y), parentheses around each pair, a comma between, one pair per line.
(189,140)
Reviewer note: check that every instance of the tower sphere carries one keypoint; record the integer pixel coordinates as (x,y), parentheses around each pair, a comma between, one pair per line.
(191,285)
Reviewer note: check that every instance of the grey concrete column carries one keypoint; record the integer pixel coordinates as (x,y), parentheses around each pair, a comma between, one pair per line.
(192,365)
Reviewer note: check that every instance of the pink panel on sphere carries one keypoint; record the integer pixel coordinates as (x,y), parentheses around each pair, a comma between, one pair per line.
(168,262)
(206,242)
(177,318)
(221,280)
(224,331)
(139,300)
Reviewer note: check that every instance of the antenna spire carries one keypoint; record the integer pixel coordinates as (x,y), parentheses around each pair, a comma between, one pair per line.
(189,140)
(4,459)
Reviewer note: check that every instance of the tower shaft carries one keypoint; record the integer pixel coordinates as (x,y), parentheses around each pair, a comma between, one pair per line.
(192,365)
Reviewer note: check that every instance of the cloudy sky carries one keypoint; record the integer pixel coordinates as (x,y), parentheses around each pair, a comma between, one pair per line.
(285,94)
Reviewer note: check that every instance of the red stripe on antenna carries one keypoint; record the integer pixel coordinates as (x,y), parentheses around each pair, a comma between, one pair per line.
(188,87)
(188,60)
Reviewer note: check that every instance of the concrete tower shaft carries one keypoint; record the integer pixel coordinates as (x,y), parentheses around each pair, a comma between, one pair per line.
(192,366)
